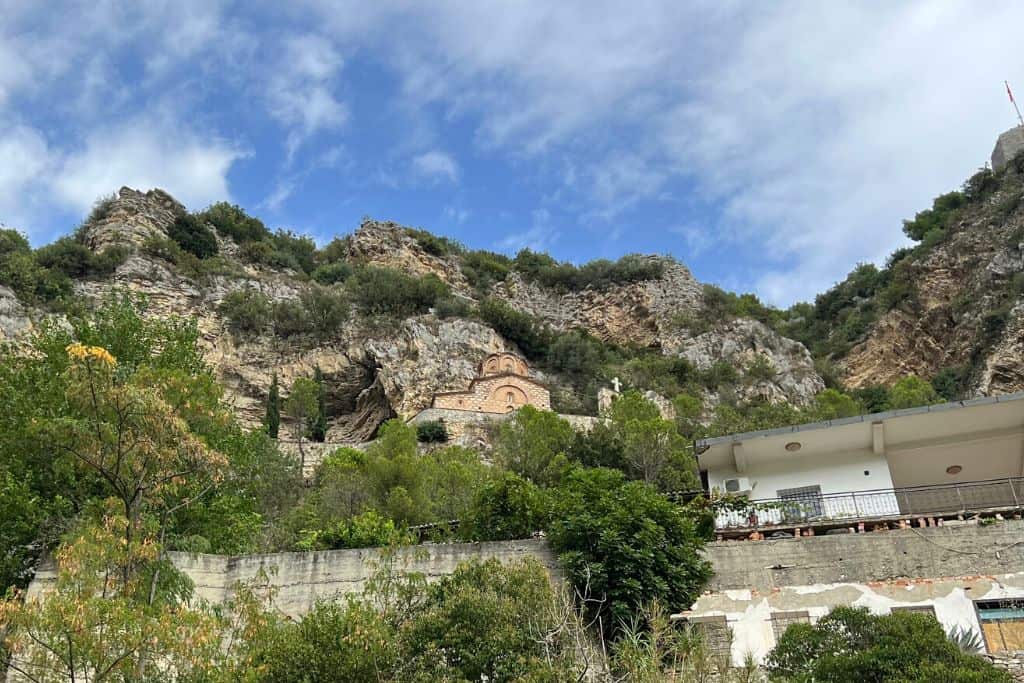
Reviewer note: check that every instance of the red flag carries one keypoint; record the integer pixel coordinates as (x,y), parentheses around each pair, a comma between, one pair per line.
(1009,92)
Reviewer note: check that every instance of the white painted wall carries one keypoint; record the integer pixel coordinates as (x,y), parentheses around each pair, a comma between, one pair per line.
(834,473)
(749,616)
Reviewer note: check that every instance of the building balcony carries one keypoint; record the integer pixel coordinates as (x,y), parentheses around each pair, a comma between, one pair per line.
(878,506)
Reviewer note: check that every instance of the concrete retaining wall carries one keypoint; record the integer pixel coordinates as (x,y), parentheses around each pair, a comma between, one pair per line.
(930,552)
(303,578)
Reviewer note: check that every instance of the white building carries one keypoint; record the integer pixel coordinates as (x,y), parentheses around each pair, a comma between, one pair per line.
(909,509)
(927,461)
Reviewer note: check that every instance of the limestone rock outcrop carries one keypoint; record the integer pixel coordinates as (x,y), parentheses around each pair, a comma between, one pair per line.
(968,311)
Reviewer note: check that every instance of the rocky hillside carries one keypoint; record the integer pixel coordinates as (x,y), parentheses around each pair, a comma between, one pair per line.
(381,364)
(950,309)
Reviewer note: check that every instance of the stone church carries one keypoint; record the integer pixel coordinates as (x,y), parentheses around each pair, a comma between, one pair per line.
(502,385)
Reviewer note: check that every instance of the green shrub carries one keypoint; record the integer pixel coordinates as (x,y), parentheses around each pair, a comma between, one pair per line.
(522,329)
(367,530)
(325,309)
(246,310)
(434,244)
(936,218)
(599,274)
(950,383)
(760,369)
(432,431)
(506,509)
(482,269)
(75,260)
(385,291)
(851,644)
(626,545)
(296,252)
(452,307)
(332,273)
(232,221)
(193,236)
(912,391)
(718,375)
(289,318)
(875,398)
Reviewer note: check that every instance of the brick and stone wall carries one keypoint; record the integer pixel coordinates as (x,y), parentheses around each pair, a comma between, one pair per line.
(492,395)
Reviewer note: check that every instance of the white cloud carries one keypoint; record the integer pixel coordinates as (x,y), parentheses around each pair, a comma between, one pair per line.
(814,128)
(538,237)
(300,90)
(26,162)
(436,165)
(145,154)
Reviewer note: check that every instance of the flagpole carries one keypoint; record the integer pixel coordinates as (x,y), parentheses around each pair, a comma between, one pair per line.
(1010,93)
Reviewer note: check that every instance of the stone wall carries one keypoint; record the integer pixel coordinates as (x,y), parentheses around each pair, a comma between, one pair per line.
(1008,146)
(761,586)
(489,395)
(949,550)
(303,578)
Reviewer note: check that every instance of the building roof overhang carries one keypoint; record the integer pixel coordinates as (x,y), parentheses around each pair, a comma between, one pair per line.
(881,432)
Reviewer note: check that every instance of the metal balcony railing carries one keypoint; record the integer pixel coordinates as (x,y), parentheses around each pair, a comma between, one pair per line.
(915,501)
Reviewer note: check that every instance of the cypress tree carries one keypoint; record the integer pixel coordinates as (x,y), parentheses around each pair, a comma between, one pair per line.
(318,421)
(272,421)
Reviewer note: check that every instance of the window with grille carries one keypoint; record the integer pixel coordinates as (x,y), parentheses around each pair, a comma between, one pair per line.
(920,609)
(803,502)
(782,620)
(1002,624)
(715,632)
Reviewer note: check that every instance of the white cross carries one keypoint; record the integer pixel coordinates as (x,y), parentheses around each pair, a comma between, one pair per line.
(616,384)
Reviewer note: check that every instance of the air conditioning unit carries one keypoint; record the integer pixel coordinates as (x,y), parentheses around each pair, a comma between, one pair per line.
(738,486)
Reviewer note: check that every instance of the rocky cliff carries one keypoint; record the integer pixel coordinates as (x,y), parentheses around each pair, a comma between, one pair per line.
(964,311)
(375,369)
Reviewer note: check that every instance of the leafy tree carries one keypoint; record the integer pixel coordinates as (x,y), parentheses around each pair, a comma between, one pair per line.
(831,404)
(912,391)
(326,310)
(534,444)
(652,448)
(134,439)
(506,509)
(875,398)
(482,623)
(851,644)
(318,421)
(532,338)
(366,530)
(625,545)
(272,420)
(300,406)
(99,623)
(384,291)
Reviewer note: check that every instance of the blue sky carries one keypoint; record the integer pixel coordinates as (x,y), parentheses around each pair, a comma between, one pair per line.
(769,146)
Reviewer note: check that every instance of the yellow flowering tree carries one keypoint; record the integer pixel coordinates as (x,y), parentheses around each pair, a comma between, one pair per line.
(139,444)
(89,625)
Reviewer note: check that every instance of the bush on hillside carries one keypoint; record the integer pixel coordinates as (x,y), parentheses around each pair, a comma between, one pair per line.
(432,431)
(389,292)
(75,260)
(522,329)
(598,274)
(482,269)
(851,644)
(232,221)
(193,236)
(246,310)
(506,509)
